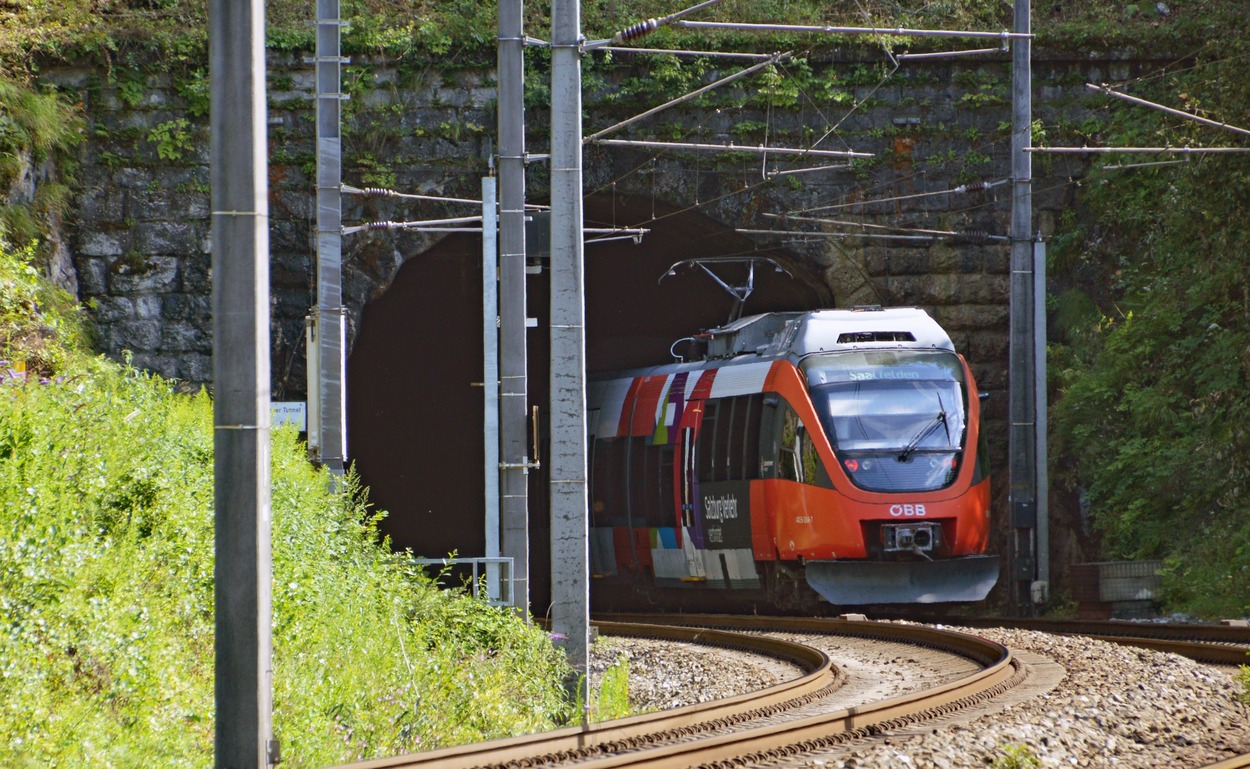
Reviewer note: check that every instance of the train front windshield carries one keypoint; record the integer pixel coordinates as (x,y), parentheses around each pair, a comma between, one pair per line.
(896,418)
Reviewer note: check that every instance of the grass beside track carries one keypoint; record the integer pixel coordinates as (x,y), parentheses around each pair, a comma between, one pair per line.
(106,584)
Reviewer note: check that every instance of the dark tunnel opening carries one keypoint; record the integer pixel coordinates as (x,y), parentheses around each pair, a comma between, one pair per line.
(415,398)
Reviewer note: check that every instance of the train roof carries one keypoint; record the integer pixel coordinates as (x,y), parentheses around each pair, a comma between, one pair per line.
(777,335)
(803,333)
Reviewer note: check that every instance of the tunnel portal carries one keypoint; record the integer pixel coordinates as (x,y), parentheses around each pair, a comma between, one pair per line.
(415,408)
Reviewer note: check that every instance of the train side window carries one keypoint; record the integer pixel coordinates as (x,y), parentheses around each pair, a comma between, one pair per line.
(703,446)
(609,484)
(797,459)
(789,467)
(726,442)
(721,440)
(639,482)
(664,500)
(749,434)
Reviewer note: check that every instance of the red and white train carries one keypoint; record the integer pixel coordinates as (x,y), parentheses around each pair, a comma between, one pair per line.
(836,450)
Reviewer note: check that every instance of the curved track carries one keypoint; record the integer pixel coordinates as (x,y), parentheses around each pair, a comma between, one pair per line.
(808,712)
(752,728)
(1210,644)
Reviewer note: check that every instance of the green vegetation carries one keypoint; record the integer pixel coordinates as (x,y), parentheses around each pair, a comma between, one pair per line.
(172,138)
(41,326)
(34,127)
(1015,757)
(106,575)
(1243,679)
(612,698)
(1152,357)
(122,33)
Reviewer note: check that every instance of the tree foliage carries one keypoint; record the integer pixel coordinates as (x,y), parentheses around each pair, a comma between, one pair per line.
(1153,422)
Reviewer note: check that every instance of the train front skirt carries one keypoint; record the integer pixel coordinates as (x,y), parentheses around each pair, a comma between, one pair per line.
(853,583)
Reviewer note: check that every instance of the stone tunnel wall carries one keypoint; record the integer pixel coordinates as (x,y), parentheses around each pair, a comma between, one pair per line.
(138,228)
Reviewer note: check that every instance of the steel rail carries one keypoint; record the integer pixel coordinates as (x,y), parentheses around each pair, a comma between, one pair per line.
(649,740)
(818,731)
(820,675)
(1236,762)
(1210,644)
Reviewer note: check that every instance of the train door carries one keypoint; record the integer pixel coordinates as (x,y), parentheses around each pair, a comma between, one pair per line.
(727,461)
(686,487)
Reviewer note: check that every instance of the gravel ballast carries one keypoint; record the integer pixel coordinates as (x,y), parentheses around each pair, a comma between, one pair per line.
(1116,706)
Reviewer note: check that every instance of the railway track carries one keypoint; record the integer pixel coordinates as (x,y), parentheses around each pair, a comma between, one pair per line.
(816,710)
(806,713)
(1210,644)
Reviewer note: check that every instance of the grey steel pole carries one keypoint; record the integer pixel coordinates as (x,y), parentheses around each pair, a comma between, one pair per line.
(331,320)
(1040,409)
(513,377)
(1022,435)
(490,378)
(240,262)
(570,570)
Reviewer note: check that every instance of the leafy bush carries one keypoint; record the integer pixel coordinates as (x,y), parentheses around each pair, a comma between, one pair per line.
(1153,423)
(106,586)
(41,326)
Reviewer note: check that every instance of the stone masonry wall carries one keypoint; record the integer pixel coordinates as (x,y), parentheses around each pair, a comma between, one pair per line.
(139,226)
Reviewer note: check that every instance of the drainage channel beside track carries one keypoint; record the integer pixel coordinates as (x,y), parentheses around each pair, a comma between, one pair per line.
(802,714)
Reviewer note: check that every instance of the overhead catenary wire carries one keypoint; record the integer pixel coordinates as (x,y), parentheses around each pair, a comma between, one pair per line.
(379,192)
(448,225)
(766,180)
(644,28)
(377,226)
(1168,110)
(833,30)
(812,234)
(1138,150)
(859,102)
(972,235)
(1151,164)
(961,189)
(749,188)
(951,54)
(811,170)
(699,147)
(679,52)
(774,58)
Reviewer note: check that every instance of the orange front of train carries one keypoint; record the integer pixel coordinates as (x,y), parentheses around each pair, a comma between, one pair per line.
(881,492)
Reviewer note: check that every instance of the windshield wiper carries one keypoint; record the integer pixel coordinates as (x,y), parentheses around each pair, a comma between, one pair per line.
(925,432)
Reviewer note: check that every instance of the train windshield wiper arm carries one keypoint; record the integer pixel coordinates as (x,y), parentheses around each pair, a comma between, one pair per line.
(925,432)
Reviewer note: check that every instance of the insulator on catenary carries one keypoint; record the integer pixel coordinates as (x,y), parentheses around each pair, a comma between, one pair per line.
(974,187)
(378,192)
(973,236)
(638,30)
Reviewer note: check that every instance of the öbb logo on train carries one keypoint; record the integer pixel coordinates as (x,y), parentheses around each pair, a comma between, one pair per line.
(907,511)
